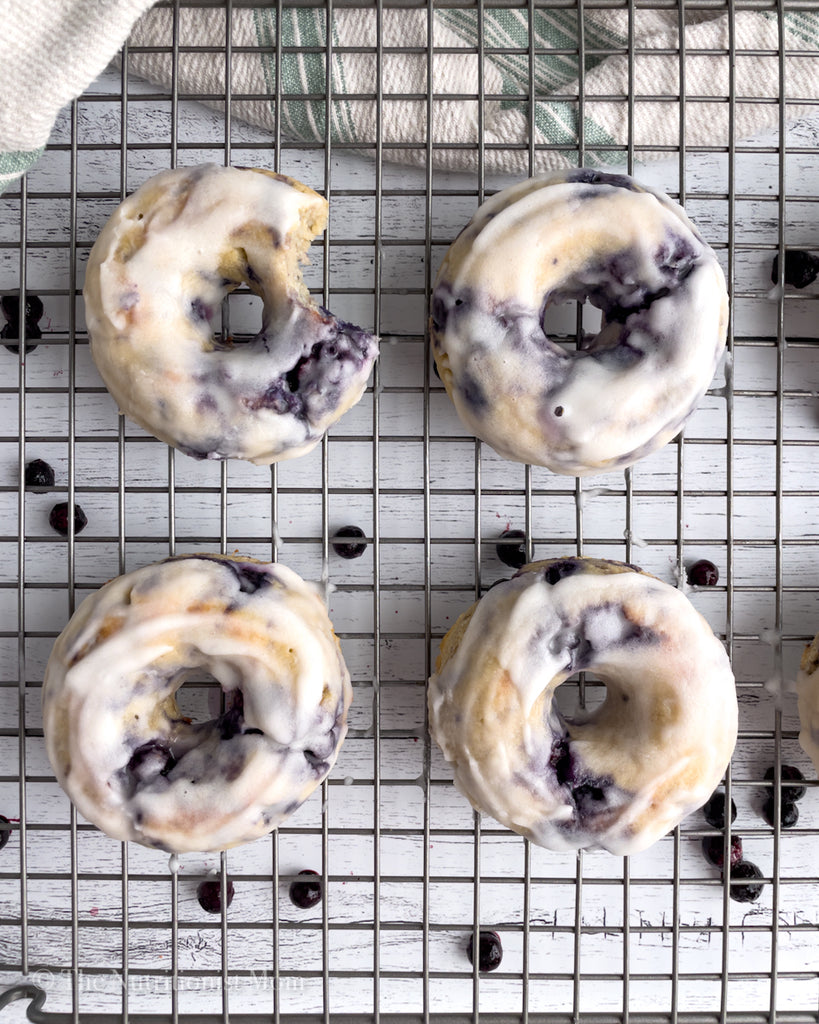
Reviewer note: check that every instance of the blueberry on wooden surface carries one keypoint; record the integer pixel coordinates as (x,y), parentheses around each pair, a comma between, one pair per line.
(788,812)
(38,474)
(747,873)
(209,895)
(703,574)
(789,773)
(307,893)
(714,811)
(490,951)
(348,542)
(5,830)
(713,848)
(58,517)
(511,548)
(801,268)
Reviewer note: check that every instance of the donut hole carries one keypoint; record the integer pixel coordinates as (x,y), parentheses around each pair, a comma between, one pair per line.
(571,320)
(200,698)
(241,315)
(576,702)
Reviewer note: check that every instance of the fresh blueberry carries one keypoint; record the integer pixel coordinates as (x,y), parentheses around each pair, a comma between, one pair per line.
(801,268)
(38,474)
(713,847)
(558,571)
(306,894)
(511,548)
(348,542)
(745,871)
(10,305)
(5,830)
(703,574)
(490,951)
(209,895)
(714,811)
(58,517)
(789,773)
(788,812)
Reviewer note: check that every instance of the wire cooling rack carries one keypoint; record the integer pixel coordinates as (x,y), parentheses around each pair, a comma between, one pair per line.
(91,930)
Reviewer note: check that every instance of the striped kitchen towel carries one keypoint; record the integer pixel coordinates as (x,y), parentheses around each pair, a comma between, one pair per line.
(513,91)
(52,50)
(481,110)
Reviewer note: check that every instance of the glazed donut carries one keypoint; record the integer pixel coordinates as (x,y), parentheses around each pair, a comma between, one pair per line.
(163,263)
(625,774)
(116,740)
(578,235)
(807,692)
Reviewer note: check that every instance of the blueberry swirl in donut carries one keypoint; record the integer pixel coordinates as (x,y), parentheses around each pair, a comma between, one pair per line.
(139,770)
(620,777)
(156,276)
(578,235)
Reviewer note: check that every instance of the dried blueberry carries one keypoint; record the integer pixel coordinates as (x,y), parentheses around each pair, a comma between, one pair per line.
(306,894)
(750,892)
(801,268)
(58,517)
(713,848)
(5,830)
(511,548)
(490,951)
(714,811)
(348,542)
(789,773)
(209,895)
(788,812)
(703,574)
(38,474)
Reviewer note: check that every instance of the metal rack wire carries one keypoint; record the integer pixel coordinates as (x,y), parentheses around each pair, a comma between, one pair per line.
(409,873)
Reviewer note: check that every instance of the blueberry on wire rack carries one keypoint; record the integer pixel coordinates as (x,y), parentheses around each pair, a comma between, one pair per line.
(511,548)
(714,810)
(306,893)
(38,475)
(713,848)
(10,307)
(788,812)
(58,518)
(703,574)
(209,894)
(789,774)
(801,268)
(749,889)
(349,542)
(5,830)
(490,951)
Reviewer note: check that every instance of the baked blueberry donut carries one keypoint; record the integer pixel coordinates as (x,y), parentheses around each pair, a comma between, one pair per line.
(627,391)
(156,276)
(619,777)
(807,691)
(120,747)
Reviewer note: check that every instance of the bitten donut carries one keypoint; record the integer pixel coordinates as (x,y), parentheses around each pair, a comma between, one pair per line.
(627,391)
(619,777)
(114,734)
(156,276)
(807,691)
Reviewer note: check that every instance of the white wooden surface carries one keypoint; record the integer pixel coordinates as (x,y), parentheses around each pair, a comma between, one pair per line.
(621,919)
